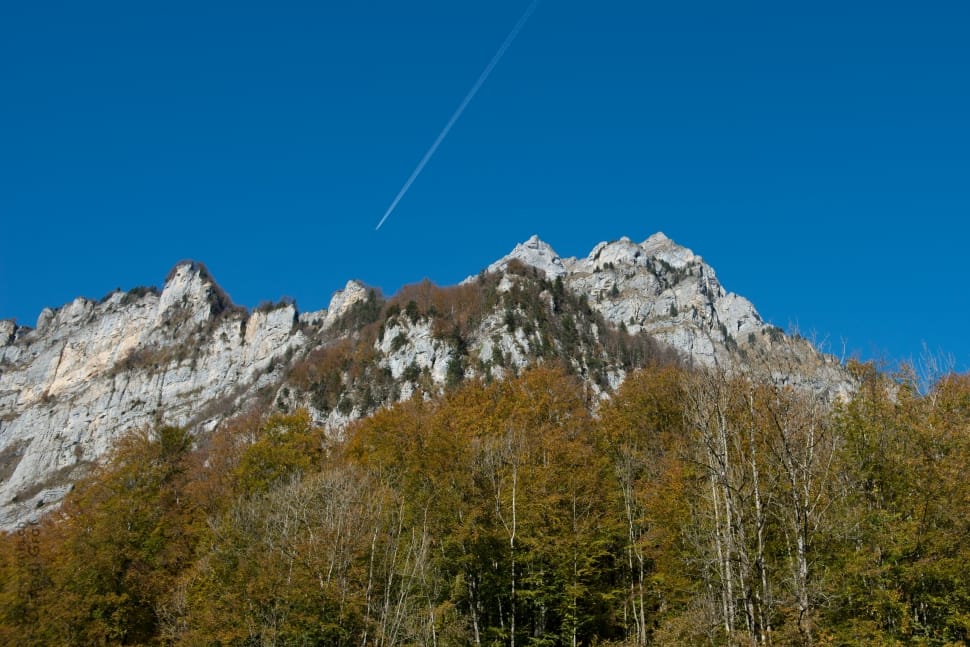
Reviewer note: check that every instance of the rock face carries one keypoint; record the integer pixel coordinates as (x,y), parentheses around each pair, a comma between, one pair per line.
(666,290)
(91,371)
(185,355)
(533,252)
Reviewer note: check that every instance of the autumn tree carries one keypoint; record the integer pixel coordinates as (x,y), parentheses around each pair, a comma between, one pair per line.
(506,479)
(642,430)
(902,557)
(117,544)
(281,567)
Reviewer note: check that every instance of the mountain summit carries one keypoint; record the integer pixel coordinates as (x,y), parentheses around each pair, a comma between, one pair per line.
(186,355)
(659,287)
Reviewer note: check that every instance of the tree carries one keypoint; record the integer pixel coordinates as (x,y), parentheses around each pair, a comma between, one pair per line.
(283,566)
(769,454)
(287,445)
(504,481)
(118,543)
(642,430)
(902,553)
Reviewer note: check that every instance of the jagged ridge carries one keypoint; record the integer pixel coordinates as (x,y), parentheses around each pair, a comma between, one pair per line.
(186,355)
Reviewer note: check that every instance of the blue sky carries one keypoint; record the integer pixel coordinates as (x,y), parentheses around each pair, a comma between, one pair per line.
(816,154)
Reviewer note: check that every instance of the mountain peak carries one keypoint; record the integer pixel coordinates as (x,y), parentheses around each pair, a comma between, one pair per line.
(618,251)
(187,272)
(91,370)
(662,247)
(343,300)
(189,285)
(536,253)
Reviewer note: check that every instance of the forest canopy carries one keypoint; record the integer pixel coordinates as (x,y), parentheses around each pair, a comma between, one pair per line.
(690,508)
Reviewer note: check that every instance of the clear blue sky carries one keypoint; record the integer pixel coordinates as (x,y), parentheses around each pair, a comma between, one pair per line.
(817,154)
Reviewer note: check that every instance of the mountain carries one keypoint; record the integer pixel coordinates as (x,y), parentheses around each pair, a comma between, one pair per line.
(185,355)
(666,290)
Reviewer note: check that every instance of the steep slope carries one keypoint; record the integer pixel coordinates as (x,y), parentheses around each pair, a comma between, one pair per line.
(426,338)
(91,371)
(186,355)
(666,290)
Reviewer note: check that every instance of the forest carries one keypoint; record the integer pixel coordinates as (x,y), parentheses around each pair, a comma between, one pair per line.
(691,508)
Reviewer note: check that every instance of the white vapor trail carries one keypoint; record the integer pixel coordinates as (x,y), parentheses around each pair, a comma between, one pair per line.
(461,108)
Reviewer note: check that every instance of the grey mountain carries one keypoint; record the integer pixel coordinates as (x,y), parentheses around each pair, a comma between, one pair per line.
(91,371)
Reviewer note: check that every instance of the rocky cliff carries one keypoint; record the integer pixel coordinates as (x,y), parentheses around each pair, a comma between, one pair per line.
(185,355)
(91,371)
(667,291)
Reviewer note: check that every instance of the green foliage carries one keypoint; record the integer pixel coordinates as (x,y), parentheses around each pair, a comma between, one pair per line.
(455,371)
(411,310)
(775,333)
(361,313)
(270,306)
(904,557)
(411,373)
(137,293)
(399,342)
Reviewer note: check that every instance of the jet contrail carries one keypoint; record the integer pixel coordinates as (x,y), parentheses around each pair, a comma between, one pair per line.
(461,108)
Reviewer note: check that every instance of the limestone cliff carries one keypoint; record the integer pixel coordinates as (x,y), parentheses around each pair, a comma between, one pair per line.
(666,290)
(91,371)
(185,355)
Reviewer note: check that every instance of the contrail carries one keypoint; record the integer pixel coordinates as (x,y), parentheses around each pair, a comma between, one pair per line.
(461,108)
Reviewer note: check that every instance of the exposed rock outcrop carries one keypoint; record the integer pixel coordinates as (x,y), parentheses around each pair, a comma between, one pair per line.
(666,290)
(185,355)
(91,371)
